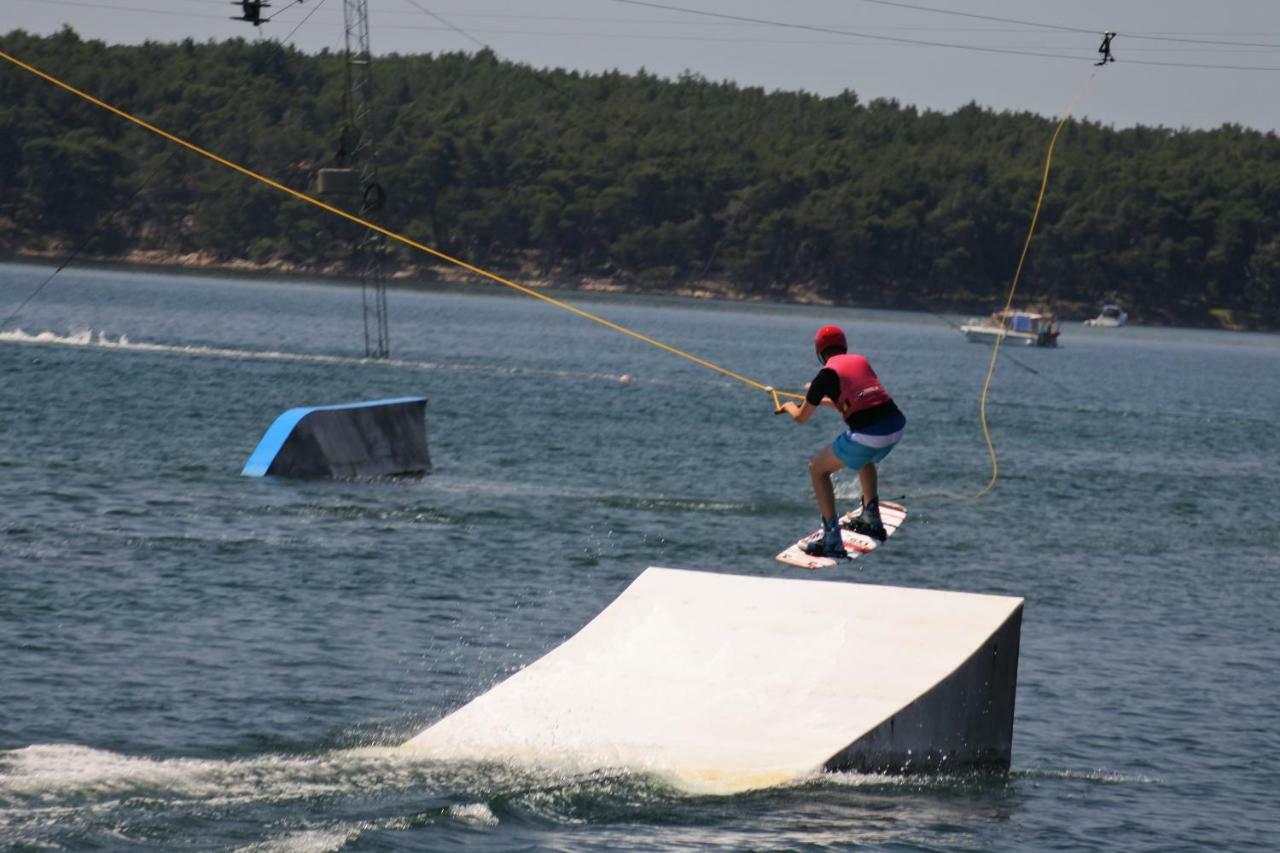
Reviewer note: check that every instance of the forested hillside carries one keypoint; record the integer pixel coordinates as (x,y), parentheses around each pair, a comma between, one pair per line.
(651,182)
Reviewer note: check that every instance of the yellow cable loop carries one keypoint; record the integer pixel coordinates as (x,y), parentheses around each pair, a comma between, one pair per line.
(1013,288)
(392,234)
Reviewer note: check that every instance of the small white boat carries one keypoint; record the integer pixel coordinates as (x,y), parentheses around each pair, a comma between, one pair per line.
(1028,328)
(1112,317)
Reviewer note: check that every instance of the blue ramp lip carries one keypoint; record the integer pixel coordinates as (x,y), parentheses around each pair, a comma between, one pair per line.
(280,430)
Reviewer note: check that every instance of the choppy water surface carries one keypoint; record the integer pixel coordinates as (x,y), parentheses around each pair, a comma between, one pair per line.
(192,659)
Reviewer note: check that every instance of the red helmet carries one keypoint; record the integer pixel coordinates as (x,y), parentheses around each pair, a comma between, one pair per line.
(829,337)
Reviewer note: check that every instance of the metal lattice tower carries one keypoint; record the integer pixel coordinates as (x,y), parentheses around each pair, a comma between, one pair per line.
(370,249)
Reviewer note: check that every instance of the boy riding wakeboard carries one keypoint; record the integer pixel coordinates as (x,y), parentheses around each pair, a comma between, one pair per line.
(874,426)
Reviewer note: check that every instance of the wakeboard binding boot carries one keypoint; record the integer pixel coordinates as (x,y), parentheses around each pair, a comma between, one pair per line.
(827,543)
(867,521)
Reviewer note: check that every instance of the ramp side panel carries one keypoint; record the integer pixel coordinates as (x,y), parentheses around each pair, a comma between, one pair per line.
(964,723)
(723,682)
(375,438)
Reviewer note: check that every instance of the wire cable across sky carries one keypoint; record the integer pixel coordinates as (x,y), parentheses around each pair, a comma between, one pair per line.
(928,54)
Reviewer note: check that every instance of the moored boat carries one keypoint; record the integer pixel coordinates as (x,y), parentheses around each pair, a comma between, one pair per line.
(1028,328)
(1112,316)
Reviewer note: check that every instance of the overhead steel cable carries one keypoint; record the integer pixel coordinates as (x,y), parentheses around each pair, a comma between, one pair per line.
(865,33)
(1191,36)
(1061,28)
(281,10)
(921,306)
(86,241)
(166,12)
(415,4)
(1269,45)
(924,42)
(1220,67)
(977,16)
(301,23)
(841,32)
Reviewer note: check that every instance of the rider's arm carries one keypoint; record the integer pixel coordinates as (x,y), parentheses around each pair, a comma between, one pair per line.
(801,412)
(824,386)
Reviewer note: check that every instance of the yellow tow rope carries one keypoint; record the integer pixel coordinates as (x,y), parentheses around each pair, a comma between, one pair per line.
(775,394)
(1013,288)
(400,238)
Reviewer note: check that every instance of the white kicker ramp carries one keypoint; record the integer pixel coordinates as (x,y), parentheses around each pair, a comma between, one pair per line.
(722,683)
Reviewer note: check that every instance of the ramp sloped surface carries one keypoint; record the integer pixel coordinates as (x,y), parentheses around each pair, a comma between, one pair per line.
(722,683)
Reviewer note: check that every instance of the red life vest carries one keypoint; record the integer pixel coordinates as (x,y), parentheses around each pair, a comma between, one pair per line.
(860,388)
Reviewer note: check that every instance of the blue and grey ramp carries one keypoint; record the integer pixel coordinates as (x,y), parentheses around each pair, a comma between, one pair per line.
(376,438)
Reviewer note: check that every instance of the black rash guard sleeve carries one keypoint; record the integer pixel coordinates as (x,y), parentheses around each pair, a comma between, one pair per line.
(825,384)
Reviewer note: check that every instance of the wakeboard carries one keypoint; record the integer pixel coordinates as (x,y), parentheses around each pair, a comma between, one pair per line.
(891,516)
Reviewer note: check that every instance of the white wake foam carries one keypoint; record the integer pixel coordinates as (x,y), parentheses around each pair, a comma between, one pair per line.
(52,773)
(306,841)
(476,813)
(101,340)
(90,339)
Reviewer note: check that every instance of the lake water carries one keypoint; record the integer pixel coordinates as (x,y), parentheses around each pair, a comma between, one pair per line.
(190,659)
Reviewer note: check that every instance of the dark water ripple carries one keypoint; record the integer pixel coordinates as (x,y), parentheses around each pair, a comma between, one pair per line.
(194,660)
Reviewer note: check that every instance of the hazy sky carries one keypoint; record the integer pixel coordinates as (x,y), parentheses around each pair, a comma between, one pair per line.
(903,50)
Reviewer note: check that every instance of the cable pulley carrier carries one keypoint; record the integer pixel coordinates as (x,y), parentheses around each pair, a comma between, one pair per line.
(251,11)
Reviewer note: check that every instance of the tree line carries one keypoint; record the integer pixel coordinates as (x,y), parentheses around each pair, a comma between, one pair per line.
(653,182)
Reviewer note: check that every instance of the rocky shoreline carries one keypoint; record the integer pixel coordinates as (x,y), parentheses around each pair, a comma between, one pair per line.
(436,274)
(447,275)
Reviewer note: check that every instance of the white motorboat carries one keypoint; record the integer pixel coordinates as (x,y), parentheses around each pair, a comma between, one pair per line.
(1112,317)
